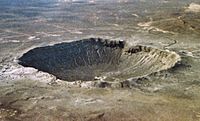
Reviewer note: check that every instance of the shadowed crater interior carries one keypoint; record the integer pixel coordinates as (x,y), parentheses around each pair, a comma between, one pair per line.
(89,58)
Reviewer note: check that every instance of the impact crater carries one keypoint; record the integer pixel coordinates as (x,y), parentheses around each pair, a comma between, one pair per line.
(96,57)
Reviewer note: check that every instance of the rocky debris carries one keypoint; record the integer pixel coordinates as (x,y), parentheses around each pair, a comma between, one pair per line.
(108,43)
(134,82)
(138,48)
(8,113)
(102,84)
(95,117)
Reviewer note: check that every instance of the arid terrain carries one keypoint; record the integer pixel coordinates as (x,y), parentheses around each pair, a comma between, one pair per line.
(155,76)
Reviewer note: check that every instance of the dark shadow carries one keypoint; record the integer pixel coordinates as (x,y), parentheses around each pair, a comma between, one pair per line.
(78,60)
